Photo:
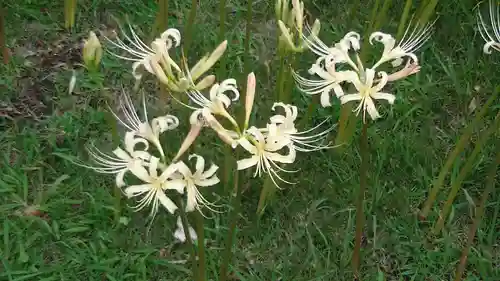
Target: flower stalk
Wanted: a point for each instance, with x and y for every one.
(69, 13)
(490, 186)
(459, 147)
(189, 240)
(233, 220)
(202, 260)
(3, 36)
(189, 26)
(360, 216)
(457, 183)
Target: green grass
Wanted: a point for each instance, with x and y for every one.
(307, 232)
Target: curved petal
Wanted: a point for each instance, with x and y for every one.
(119, 178)
(166, 202)
(176, 184)
(169, 34)
(200, 163)
(120, 153)
(164, 123)
(383, 81)
(276, 157)
(137, 190)
(369, 75)
(191, 202)
(208, 182)
(247, 162)
(153, 166)
(384, 38)
(210, 172)
(247, 145)
(325, 98)
(167, 173)
(350, 97)
(384, 96)
(140, 172)
(371, 109)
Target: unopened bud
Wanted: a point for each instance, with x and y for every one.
(92, 52)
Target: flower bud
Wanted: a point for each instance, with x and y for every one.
(92, 52)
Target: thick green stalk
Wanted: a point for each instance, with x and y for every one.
(161, 22)
(354, 10)
(427, 12)
(233, 219)
(268, 190)
(490, 186)
(69, 13)
(222, 35)
(459, 147)
(202, 260)
(360, 216)
(381, 17)
(189, 241)
(457, 183)
(188, 34)
(404, 19)
(3, 43)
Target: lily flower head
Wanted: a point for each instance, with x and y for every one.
(265, 155)
(282, 130)
(291, 24)
(200, 178)
(490, 33)
(144, 129)
(154, 186)
(407, 46)
(119, 163)
(367, 92)
(156, 60)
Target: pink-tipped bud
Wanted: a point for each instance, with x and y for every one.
(188, 141)
(249, 97)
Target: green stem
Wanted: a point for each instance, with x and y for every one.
(268, 189)
(459, 147)
(200, 232)
(281, 76)
(222, 34)
(457, 183)
(233, 219)
(3, 43)
(404, 19)
(490, 186)
(189, 241)
(360, 216)
(188, 34)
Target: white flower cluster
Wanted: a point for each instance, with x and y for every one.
(156, 60)
(157, 176)
(276, 143)
(336, 68)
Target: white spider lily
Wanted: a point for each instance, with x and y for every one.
(367, 92)
(200, 178)
(179, 232)
(218, 102)
(339, 53)
(149, 131)
(492, 38)
(265, 154)
(291, 25)
(282, 130)
(154, 186)
(156, 60)
(330, 80)
(406, 47)
(119, 163)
